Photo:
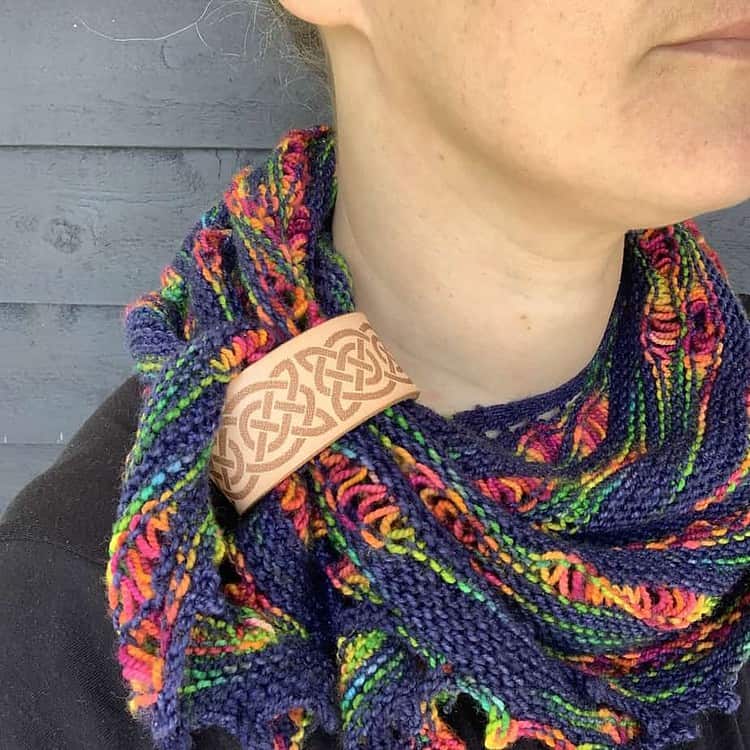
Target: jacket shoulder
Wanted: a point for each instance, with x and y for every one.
(73, 503)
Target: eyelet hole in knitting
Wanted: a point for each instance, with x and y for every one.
(466, 718)
(225, 512)
(227, 572)
(700, 320)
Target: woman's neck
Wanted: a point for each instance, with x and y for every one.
(482, 293)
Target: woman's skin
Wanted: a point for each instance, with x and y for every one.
(491, 156)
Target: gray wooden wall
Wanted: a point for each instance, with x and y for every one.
(109, 151)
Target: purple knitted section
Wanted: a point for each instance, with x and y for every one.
(575, 563)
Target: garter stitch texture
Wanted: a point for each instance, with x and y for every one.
(582, 576)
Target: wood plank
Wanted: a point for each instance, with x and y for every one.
(71, 85)
(61, 362)
(728, 232)
(19, 464)
(110, 219)
(107, 220)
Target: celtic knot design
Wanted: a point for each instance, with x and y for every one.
(277, 417)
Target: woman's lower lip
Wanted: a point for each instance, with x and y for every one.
(734, 48)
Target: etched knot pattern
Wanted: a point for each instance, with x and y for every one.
(309, 398)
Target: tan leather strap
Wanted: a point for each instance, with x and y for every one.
(295, 401)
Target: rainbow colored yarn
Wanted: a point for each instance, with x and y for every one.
(583, 576)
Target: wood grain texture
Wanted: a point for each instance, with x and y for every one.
(64, 83)
(63, 361)
(106, 221)
(728, 232)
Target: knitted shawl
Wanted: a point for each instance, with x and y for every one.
(575, 563)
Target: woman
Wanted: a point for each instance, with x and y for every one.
(545, 548)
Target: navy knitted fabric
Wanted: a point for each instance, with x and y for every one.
(576, 563)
